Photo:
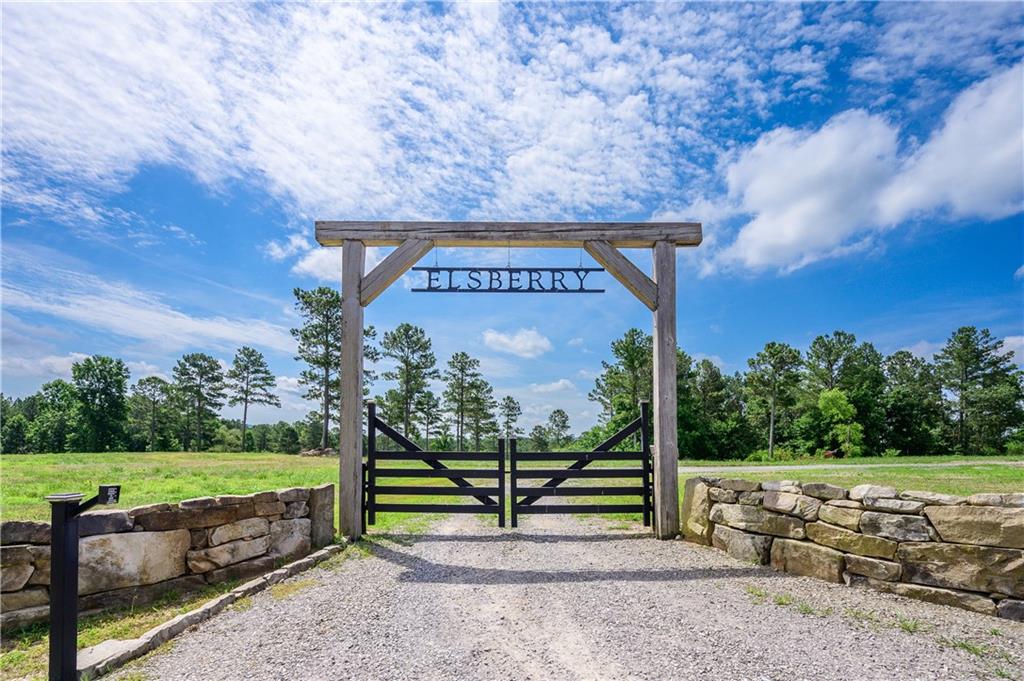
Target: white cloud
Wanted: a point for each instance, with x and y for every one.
(120, 309)
(575, 342)
(526, 343)
(815, 194)
(1015, 344)
(923, 349)
(293, 245)
(809, 192)
(972, 165)
(1019, 274)
(48, 366)
(559, 386)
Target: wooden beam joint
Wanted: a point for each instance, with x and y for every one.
(623, 269)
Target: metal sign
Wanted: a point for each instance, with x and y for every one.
(507, 279)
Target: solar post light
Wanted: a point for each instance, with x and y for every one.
(64, 511)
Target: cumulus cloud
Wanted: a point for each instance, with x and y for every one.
(1015, 344)
(526, 343)
(814, 194)
(559, 386)
(47, 366)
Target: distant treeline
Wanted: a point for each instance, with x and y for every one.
(841, 397)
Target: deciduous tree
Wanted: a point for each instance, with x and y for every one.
(101, 386)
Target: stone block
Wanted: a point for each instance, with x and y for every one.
(295, 509)
(983, 525)
(232, 499)
(321, 515)
(14, 577)
(293, 494)
(800, 505)
(957, 599)
(756, 519)
(16, 619)
(873, 567)
(751, 498)
(823, 490)
(148, 508)
(197, 503)
(725, 496)
(290, 538)
(789, 486)
(933, 498)
(41, 559)
(244, 570)
(220, 556)
(200, 538)
(739, 485)
(877, 491)
(851, 542)
(1012, 500)
(250, 528)
(264, 497)
(1011, 609)
(840, 515)
(176, 519)
(895, 526)
(694, 516)
(750, 548)
(138, 595)
(15, 554)
(25, 598)
(126, 559)
(105, 521)
(265, 508)
(963, 566)
(887, 505)
(24, 532)
(807, 559)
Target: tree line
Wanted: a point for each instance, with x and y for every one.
(839, 398)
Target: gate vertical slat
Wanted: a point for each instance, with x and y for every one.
(501, 482)
(371, 463)
(645, 447)
(512, 480)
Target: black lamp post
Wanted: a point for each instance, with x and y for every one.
(64, 512)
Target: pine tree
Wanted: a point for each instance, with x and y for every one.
(199, 384)
(319, 340)
(480, 405)
(410, 347)
(558, 428)
(428, 414)
(462, 371)
(249, 381)
(148, 409)
(510, 413)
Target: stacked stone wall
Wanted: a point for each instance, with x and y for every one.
(962, 551)
(132, 557)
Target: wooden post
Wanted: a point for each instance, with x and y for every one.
(350, 475)
(666, 446)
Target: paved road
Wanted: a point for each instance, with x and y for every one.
(690, 470)
(563, 598)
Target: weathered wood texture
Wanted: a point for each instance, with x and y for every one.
(350, 516)
(520, 234)
(391, 268)
(666, 447)
(628, 274)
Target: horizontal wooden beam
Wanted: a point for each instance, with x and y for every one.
(518, 234)
(391, 268)
(628, 274)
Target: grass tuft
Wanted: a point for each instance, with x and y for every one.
(287, 589)
(967, 646)
(908, 624)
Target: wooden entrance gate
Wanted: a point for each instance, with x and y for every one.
(639, 473)
(490, 499)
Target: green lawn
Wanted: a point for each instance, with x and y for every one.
(171, 476)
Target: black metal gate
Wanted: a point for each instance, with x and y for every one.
(640, 471)
(490, 499)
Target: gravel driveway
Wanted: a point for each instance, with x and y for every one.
(564, 598)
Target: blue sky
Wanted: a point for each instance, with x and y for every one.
(855, 166)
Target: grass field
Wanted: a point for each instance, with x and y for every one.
(172, 476)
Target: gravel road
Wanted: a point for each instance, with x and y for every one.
(565, 598)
